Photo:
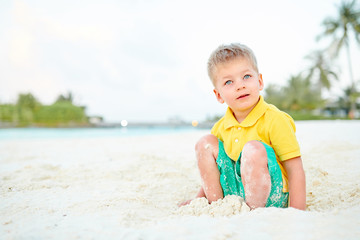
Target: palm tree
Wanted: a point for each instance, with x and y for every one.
(350, 96)
(320, 70)
(63, 98)
(275, 94)
(27, 104)
(27, 101)
(301, 94)
(340, 28)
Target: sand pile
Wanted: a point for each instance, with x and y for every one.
(229, 206)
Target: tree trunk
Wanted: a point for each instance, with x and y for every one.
(352, 89)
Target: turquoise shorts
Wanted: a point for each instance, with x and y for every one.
(230, 177)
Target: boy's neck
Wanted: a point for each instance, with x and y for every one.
(241, 115)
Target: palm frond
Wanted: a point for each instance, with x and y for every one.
(340, 43)
(311, 73)
(331, 26)
(335, 76)
(324, 80)
(356, 28)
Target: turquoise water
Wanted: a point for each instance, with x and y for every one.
(51, 133)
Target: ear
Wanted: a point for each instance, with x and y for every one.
(261, 82)
(218, 96)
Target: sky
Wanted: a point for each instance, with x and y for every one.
(145, 61)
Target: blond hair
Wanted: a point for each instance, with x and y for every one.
(225, 53)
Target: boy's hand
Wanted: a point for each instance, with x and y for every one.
(200, 194)
(184, 203)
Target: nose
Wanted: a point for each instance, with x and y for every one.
(240, 84)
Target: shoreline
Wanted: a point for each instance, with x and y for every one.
(115, 125)
(201, 125)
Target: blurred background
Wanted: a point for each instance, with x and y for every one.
(75, 63)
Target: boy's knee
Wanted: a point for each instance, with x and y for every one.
(254, 151)
(207, 144)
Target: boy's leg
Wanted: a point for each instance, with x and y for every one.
(255, 174)
(207, 150)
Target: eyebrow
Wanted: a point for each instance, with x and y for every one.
(246, 70)
(226, 76)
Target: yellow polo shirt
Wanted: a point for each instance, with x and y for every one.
(265, 123)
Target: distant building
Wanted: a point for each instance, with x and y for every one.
(96, 120)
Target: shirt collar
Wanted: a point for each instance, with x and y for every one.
(250, 120)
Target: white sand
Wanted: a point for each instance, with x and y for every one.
(128, 188)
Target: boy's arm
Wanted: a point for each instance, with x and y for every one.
(296, 178)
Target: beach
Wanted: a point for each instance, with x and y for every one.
(129, 188)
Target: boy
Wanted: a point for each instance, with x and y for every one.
(252, 150)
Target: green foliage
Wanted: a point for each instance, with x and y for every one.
(28, 111)
(275, 95)
(27, 101)
(298, 94)
(320, 71)
(26, 106)
(60, 113)
(64, 98)
(351, 93)
(302, 94)
(306, 115)
(9, 113)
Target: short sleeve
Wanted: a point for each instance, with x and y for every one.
(217, 129)
(283, 138)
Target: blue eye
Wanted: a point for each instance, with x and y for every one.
(247, 76)
(228, 82)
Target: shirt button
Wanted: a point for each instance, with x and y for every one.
(236, 140)
(239, 128)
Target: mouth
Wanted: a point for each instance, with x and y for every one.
(243, 96)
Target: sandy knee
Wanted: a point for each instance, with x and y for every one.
(208, 144)
(254, 152)
(255, 175)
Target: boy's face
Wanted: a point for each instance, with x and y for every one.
(238, 84)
